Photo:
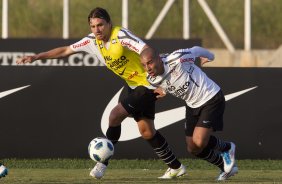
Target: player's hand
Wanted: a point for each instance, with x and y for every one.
(204, 60)
(160, 92)
(25, 59)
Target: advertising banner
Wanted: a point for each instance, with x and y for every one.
(54, 112)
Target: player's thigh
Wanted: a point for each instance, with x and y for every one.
(117, 115)
(140, 103)
(211, 113)
(191, 121)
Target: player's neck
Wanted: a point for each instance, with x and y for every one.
(106, 38)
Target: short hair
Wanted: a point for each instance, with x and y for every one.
(99, 13)
(149, 51)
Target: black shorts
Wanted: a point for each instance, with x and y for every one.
(209, 115)
(140, 102)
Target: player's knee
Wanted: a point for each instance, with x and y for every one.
(199, 143)
(194, 148)
(147, 133)
(146, 128)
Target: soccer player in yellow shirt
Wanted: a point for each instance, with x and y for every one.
(119, 49)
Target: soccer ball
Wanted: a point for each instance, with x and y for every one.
(100, 149)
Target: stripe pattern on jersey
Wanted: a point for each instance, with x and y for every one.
(179, 56)
(91, 37)
(127, 36)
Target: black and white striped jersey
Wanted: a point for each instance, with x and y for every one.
(185, 80)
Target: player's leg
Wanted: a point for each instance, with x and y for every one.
(117, 115)
(203, 149)
(144, 114)
(128, 106)
(199, 145)
(227, 150)
(213, 111)
(203, 121)
(161, 148)
(3, 171)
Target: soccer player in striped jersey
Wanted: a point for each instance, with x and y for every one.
(177, 74)
(120, 51)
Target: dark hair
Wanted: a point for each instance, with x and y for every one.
(149, 51)
(99, 13)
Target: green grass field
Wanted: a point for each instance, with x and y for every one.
(70, 171)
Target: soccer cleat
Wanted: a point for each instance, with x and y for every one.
(229, 158)
(98, 171)
(174, 173)
(3, 171)
(224, 175)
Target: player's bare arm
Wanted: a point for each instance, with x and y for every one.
(54, 53)
(204, 60)
(160, 91)
(203, 54)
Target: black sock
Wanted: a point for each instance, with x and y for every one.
(211, 156)
(113, 133)
(218, 144)
(163, 151)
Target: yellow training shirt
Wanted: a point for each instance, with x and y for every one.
(121, 55)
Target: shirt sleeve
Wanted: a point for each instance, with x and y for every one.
(82, 45)
(88, 45)
(129, 40)
(201, 52)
